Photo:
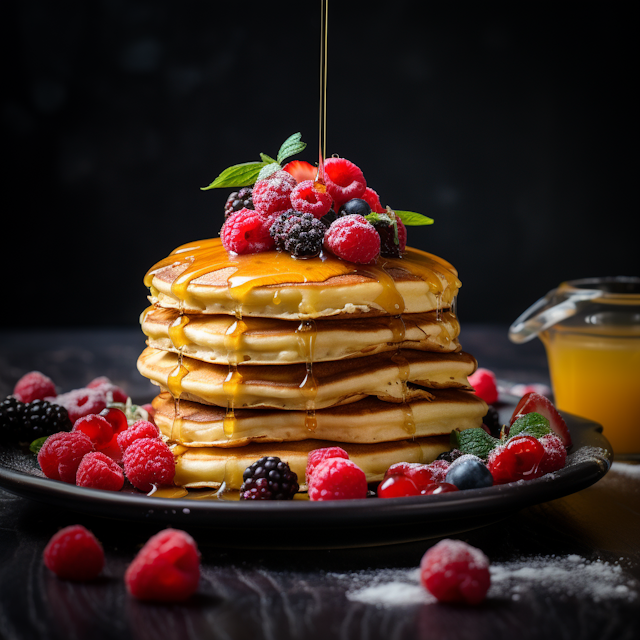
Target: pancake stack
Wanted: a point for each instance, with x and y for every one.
(265, 354)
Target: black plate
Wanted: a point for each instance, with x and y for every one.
(350, 523)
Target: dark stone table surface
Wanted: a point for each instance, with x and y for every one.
(569, 568)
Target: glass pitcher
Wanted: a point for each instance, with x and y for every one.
(591, 331)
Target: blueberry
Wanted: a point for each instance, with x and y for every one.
(470, 473)
(355, 206)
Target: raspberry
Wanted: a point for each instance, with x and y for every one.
(301, 170)
(247, 231)
(34, 386)
(61, 454)
(149, 462)
(317, 456)
(372, 199)
(300, 234)
(148, 407)
(239, 200)
(454, 571)
(484, 384)
(98, 471)
(138, 430)
(307, 199)
(337, 479)
(439, 469)
(166, 569)
(106, 386)
(269, 479)
(274, 194)
(344, 180)
(555, 454)
(82, 402)
(352, 238)
(97, 427)
(397, 486)
(74, 553)
(283, 176)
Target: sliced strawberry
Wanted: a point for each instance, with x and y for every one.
(535, 402)
(301, 170)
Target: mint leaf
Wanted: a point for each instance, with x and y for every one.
(36, 445)
(270, 169)
(265, 158)
(290, 147)
(531, 424)
(374, 217)
(239, 175)
(474, 441)
(413, 219)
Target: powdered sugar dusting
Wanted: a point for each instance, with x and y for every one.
(559, 576)
(626, 469)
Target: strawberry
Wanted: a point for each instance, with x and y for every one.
(301, 170)
(535, 402)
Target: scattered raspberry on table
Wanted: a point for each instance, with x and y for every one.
(74, 553)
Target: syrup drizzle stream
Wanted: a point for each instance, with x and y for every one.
(322, 125)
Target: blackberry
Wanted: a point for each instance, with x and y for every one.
(492, 420)
(388, 232)
(269, 479)
(298, 233)
(242, 199)
(11, 411)
(26, 422)
(450, 456)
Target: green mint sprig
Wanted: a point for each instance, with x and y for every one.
(248, 173)
(531, 424)
(413, 219)
(474, 441)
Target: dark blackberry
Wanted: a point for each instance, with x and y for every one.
(450, 456)
(269, 479)
(242, 199)
(38, 419)
(11, 412)
(388, 232)
(298, 233)
(492, 420)
(355, 206)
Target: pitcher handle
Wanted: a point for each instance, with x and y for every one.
(529, 324)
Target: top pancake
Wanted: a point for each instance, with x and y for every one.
(203, 277)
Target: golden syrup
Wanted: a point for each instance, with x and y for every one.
(322, 124)
(233, 382)
(398, 329)
(231, 482)
(176, 332)
(167, 492)
(306, 333)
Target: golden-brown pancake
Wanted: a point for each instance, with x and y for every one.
(301, 387)
(210, 467)
(274, 341)
(367, 421)
(203, 277)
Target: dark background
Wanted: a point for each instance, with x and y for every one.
(511, 124)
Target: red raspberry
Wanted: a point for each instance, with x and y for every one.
(105, 385)
(98, 471)
(138, 430)
(34, 386)
(74, 553)
(555, 454)
(317, 456)
(247, 231)
(519, 459)
(273, 195)
(397, 486)
(82, 402)
(454, 571)
(484, 384)
(344, 180)
(150, 410)
(354, 239)
(373, 200)
(97, 427)
(301, 170)
(307, 199)
(337, 479)
(402, 235)
(439, 470)
(61, 454)
(166, 569)
(420, 474)
(149, 462)
(439, 487)
(284, 176)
